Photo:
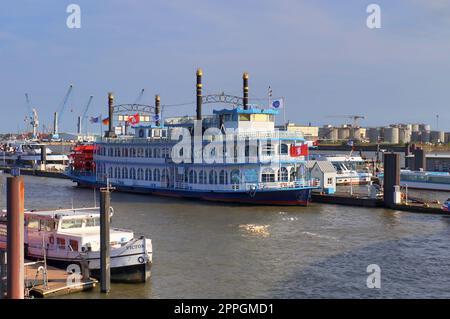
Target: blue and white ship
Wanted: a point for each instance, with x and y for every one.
(235, 155)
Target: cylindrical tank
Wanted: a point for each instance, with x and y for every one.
(333, 135)
(437, 137)
(373, 134)
(343, 133)
(404, 135)
(355, 133)
(414, 127)
(391, 135)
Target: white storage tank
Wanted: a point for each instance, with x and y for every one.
(343, 133)
(414, 127)
(391, 135)
(404, 135)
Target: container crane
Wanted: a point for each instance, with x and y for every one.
(58, 116)
(33, 117)
(84, 116)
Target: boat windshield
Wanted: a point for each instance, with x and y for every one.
(80, 222)
(71, 223)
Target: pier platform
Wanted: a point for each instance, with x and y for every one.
(58, 281)
(36, 172)
(363, 201)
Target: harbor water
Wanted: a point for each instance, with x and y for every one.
(207, 250)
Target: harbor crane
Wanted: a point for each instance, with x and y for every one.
(84, 116)
(355, 118)
(139, 98)
(58, 116)
(33, 117)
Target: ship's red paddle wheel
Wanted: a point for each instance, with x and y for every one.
(82, 158)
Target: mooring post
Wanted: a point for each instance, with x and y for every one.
(15, 234)
(391, 177)
(105, 262)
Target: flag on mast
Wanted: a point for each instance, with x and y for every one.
(277, 104)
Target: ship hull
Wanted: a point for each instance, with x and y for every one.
(281, 197)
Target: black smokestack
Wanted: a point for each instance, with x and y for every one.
(245, 87)
(158, 109)
(110, 132)
(199, 94)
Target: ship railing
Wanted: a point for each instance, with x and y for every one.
(269, 134)
(300, 183)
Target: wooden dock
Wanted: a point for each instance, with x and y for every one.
(55, 282)
(59, 281)
(363, 201)
(36, 172)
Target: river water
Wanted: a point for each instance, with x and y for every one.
(203, 250)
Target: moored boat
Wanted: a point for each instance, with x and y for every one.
(72, 236)
(234, 155)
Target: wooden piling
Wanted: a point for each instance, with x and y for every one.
(15, 237)
(105, 262)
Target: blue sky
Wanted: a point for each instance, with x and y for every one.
(319, 55)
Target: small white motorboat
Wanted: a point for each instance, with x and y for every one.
(72, 236)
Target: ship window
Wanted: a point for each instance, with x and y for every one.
(284, 150)
(213, 177)
(140, 174)
(110, 172)
(267, 149)
(283, 175)
(110, 151)
(244, 117)
(132, 152)
(192, 176)
(223, 177)
(117, 151)
(235, 176)
(125, 152)
(125, 173)
(293, 174)
(92, 222)
(202, 177)
(156, 175)
(132, 173)
(33, 223)
(46, 225)
(150, 152)
(147, 153)
(148, 174)
(140, 152)
(72, 223)
(268, 175)
(73, 244)
(164, 175)
(61, 242)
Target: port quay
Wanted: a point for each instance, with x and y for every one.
(218, 159)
